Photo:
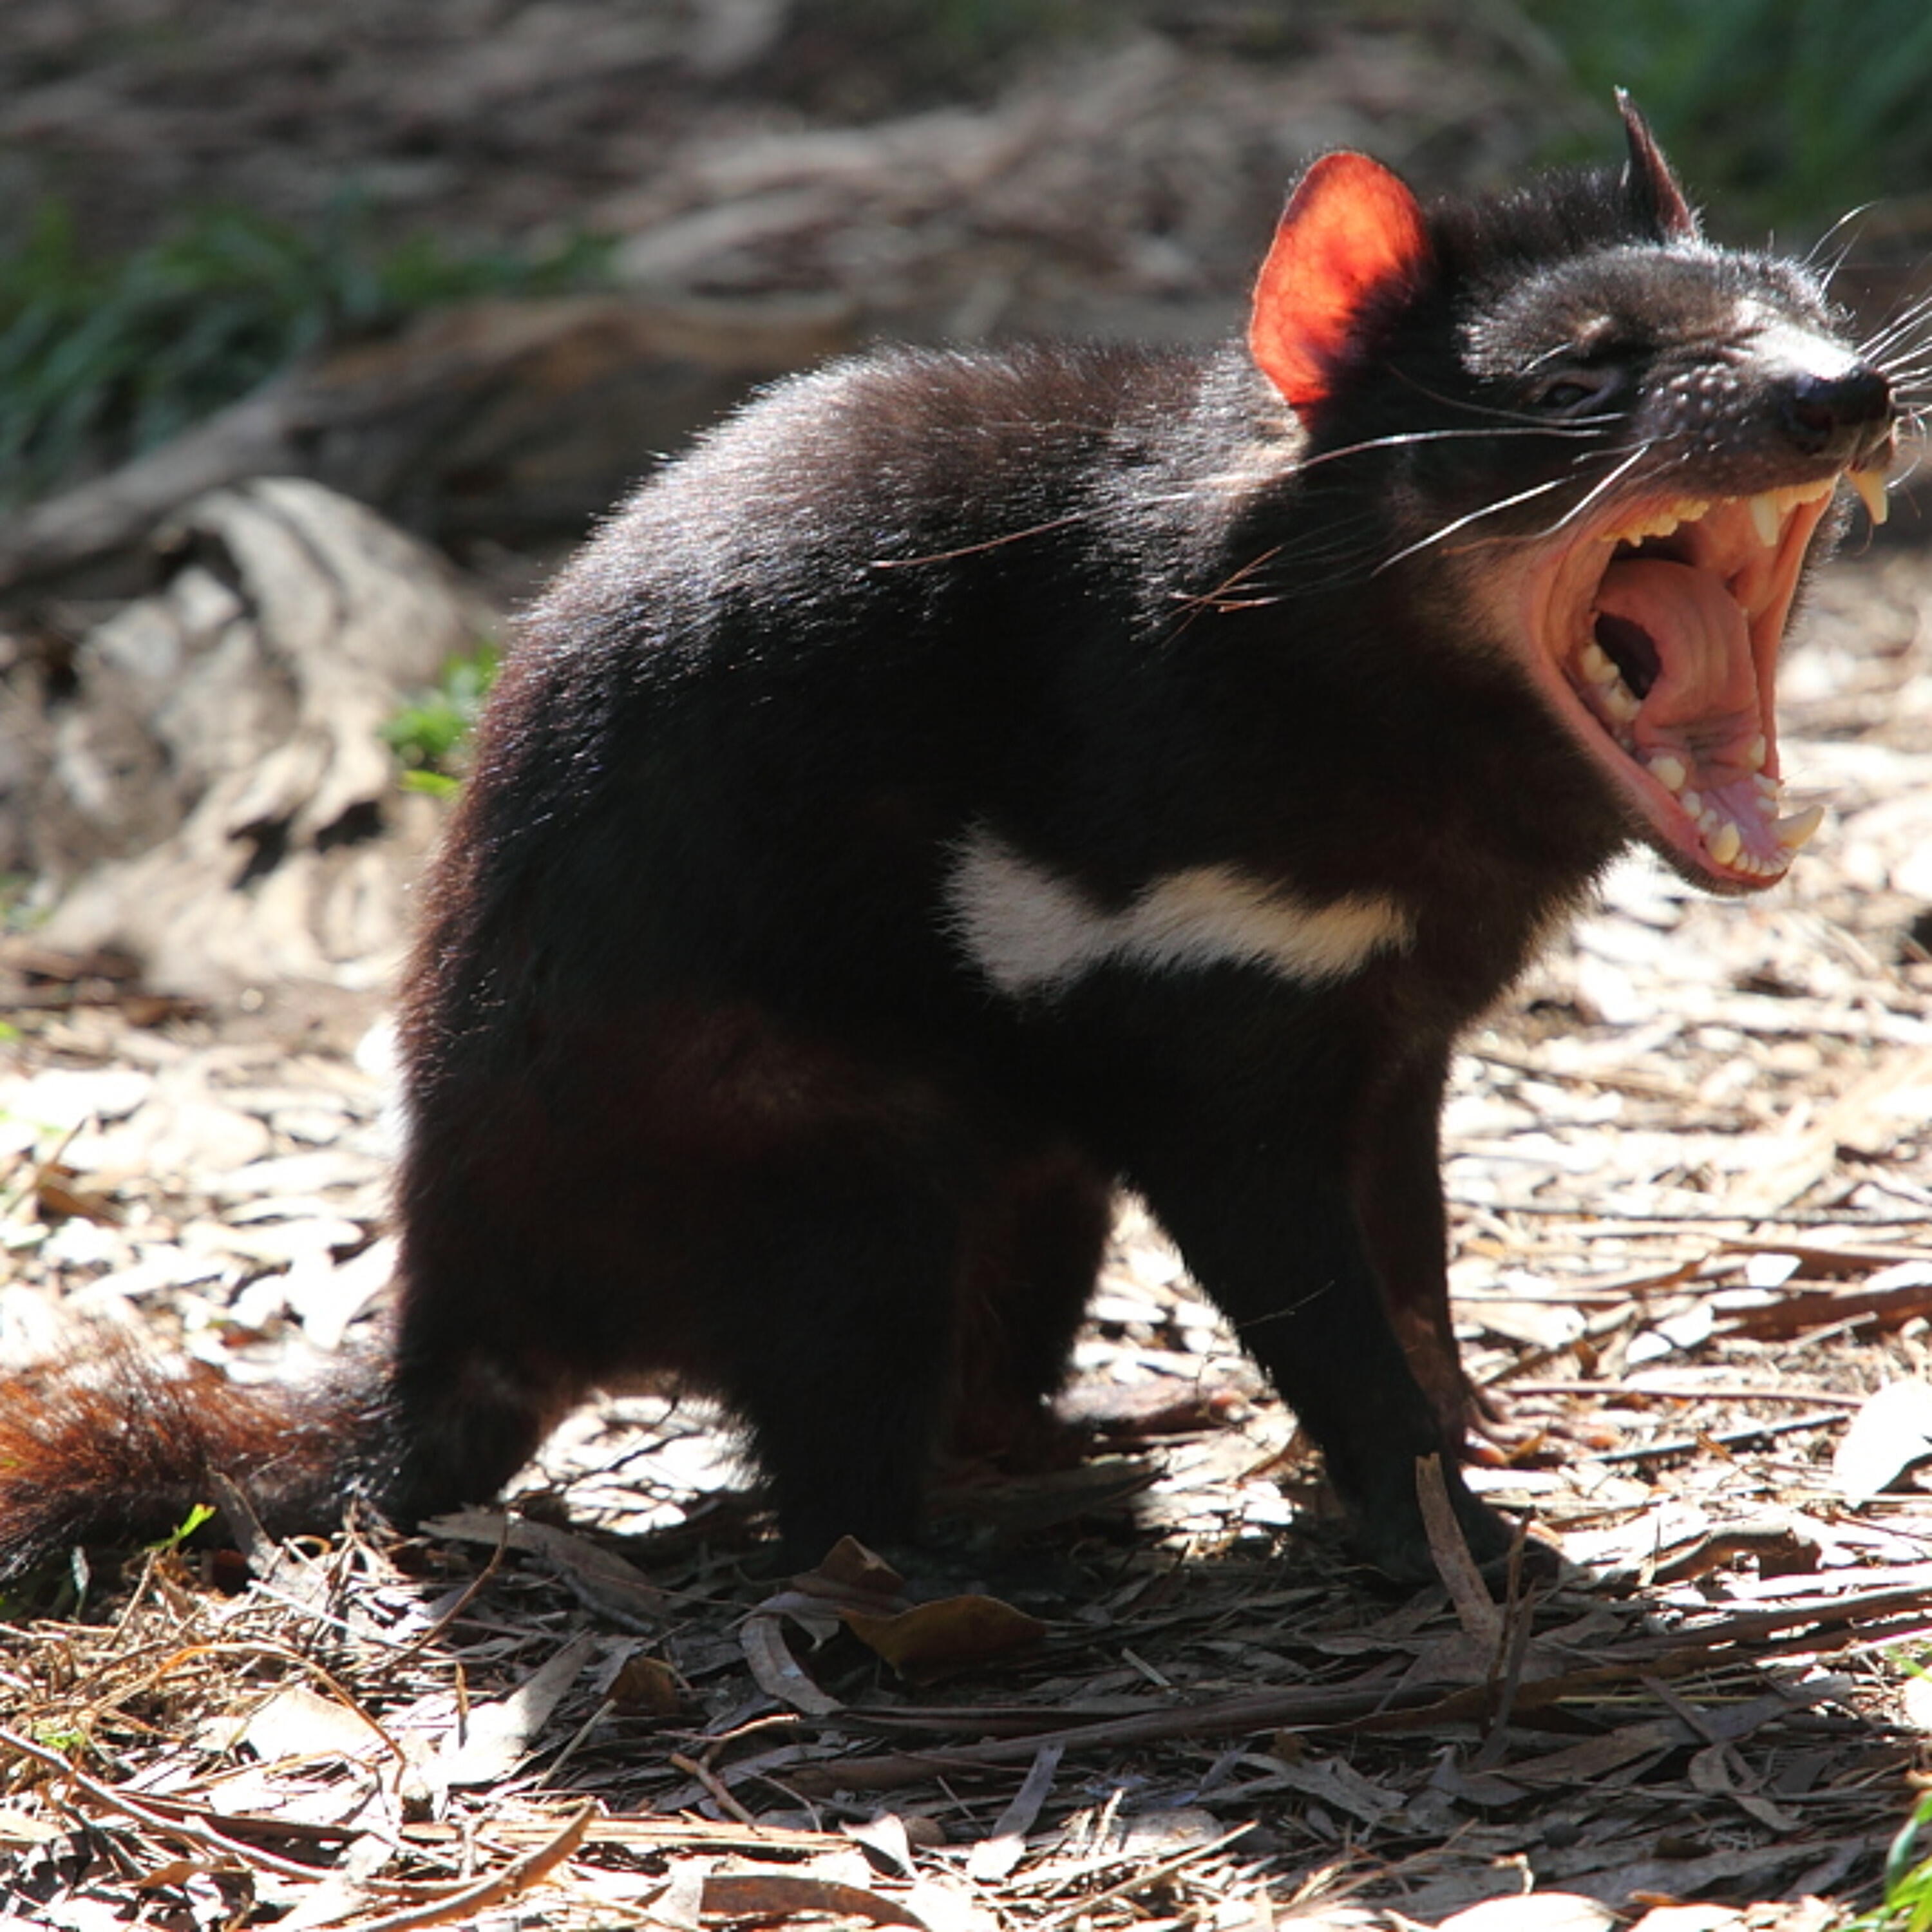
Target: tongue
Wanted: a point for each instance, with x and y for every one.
(1706, 684)
(1703, 705)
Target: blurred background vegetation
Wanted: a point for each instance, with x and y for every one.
(1785, 113)
(117, 354)
(1794, 111)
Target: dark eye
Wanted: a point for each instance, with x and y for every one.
(1577, 392)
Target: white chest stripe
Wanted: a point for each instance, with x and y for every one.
(1031, 932)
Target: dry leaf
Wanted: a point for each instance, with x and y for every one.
(1332, 1782)
(995, 1856)
(945, 1905)
(851, 1569)
(300, 1723)
(782, 1894)
(650, 1685)
(931, 1639)
(1533, 1912)
(601, 1579)
(885, 1842)
(497, 1736)
(1915, 1700)
(1893, 1431)
(1688, 1919)
(778, 1673)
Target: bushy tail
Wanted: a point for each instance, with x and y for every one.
(106, 1445)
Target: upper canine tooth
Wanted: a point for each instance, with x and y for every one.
(1764, 516)
(1757, 752)
(1794, 831)
(1870, 484)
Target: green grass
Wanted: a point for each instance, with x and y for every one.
(199, 1513)
(1908, 1881)
(430, 735)
(100, 359)
(1792, 111)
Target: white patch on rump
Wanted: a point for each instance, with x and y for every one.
(1032, 933)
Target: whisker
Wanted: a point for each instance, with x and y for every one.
(1598, 491)
(1900, 327)
(1436, 537)
(1570, 426)
(1407, 438)
(1813, 254)
(975, 549)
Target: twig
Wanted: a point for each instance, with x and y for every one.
(713, 1784)
(505, 1883)
(1727, 1438)
(1687, 1392)
(1147, 1875)
(469, 1595)
(203, 1837)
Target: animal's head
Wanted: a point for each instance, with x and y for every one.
(1617, 441)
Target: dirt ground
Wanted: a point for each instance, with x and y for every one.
(1690, 1165)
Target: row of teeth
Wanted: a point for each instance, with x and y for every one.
(1619, 702)
(1723, 837)
(1767, 508)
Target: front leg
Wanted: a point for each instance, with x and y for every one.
(1268, 1225)
(1396, 1179)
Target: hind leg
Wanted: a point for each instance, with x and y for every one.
(834, 1340)
(485, 1361)
(543, 1255)
(714, 1191)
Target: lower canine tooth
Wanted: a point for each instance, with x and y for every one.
(1725, 844)
(1797, 829)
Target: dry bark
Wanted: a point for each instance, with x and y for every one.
(213, 796)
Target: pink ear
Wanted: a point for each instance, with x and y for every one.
(1352, 231)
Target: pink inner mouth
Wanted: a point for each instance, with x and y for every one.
(1656, 636)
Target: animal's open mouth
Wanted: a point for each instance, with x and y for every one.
(1660, 628)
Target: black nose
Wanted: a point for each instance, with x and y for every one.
(1841, 417)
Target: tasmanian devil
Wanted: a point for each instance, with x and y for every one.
(965, 783)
